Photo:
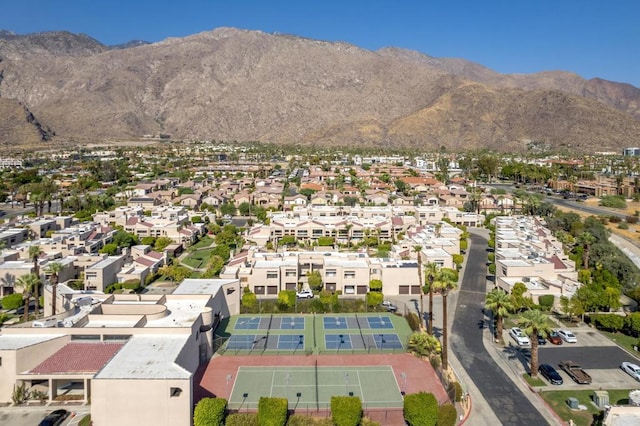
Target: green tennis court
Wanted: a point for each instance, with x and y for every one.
(312, 387)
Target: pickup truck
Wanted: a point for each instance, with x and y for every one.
(576, 372)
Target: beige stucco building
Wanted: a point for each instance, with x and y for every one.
(133, 356)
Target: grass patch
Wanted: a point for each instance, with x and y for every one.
(537, 382)
(205, 241)
(198, 259)
(623, 340)
(557, 400)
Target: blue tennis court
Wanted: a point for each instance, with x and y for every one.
(335, 323)
(387, 341)
(290, 341)
(247, 323)
(291, 323)
(379, 322)
(242, 341)
(337, 341)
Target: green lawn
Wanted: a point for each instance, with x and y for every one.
(537, 382)
(198, 259)
(205, 241)
(557, 400)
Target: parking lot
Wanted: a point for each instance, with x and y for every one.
(30, 416)
(599, 356)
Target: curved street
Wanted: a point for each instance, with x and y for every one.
(506, 400)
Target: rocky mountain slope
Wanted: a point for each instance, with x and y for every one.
(231, 84)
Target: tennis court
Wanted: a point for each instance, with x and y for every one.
(312, 387)
(251, 342)
(307, 334)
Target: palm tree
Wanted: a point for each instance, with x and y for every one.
(586, 239)
(533, 323)
(54, 269)
(418, 250)
(28, 283)
(431, 274)
(34, 253)
(499, 302)
(447, 281)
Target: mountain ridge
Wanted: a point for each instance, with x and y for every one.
(230, 84)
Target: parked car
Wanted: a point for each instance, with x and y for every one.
(54, 418)
(631, 369)
(576, 372)
(520, 338)
(551, 374)
(304, 294)
(567, 336)
(390, 307)
(541, 340)
(554, 338)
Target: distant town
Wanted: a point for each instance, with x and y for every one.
(129, 276)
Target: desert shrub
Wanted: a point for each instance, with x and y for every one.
(12, 301)
(458, 390)
(632, 219)
(272, 411)
(346, 410)
(420, 409)
(447, 415)
(623, 225)
(413, 320)
(209, 412)
(374, 298)
(613, 201)
(242, 419)
(546, 302)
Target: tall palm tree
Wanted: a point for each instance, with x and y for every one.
(586, 239)
(418, 250)
(431, 274)
(533, 323)
(447, 281)
(28, 283)
(499, 302)
(54, 269)
(34, 253)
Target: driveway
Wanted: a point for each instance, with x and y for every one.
(506, 400)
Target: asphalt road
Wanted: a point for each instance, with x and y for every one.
(505, 399)
(600, 357)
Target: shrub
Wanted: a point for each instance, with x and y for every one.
(421, 409)
(447, 415)
(546, 302)
(632, 323)
(272, 411)
(374, 298)
(615, 219)
(209, 412)
(242, 419)
(613, 201)
(346, 410)
(632, 219)
(492, 269)
(491, 257)
(623, 225)
(131, 284)
(458, 390)
(610, 322)
(375, 285)
(85, 421)
(413, 320)
(12, 301)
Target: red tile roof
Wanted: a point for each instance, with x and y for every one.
(78, 358)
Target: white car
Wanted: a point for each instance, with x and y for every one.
(631, 369)
(520, 338)
(305, 294)
(567, 336)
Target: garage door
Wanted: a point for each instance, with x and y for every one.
(403, 289)
(362, 289)
(415, 289)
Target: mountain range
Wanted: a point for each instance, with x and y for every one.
(238, 85)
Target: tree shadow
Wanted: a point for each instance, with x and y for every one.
(523, 355)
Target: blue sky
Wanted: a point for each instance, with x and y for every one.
(592, 38)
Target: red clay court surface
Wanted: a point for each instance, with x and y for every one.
(420, 376)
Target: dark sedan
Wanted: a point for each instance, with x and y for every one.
(550, 373)
(54, 418)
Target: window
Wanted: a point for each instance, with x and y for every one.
(349, 274)
(272, 275)
(291, 273)
(175, 392)
(330, 273)
(259, 289)
(231, 290)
